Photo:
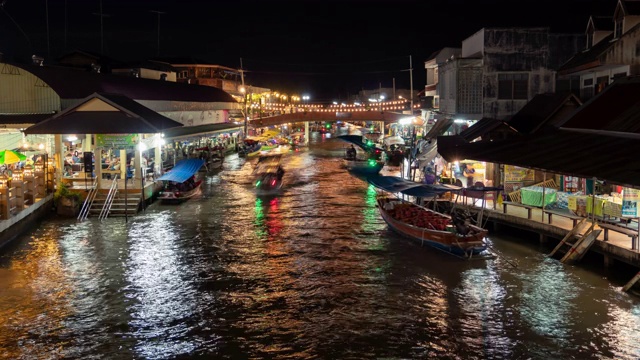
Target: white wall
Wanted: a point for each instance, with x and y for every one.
(473, 44)
(23, 93)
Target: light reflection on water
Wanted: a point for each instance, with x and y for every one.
(312, 272)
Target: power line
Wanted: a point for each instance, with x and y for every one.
(324, 73)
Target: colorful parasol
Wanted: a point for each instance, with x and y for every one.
(11, 157)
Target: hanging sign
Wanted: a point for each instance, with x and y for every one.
(117, 141)
(630, 200)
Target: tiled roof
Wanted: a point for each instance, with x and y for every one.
(131, 118)
(10, 119)
(481, 128)
(71, 83)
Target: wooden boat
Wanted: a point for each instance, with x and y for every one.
(363, 166)
(179, 184)
(269, 175)
(432, 228)
(171, 195)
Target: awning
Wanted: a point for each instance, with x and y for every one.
(182, 171)
(102, 113)
(199, 130)
(394, 184)
(393, 140)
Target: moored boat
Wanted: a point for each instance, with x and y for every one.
(180, 184)
(432, 228)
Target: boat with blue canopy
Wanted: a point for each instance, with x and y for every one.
(453, 233)
(179, 183)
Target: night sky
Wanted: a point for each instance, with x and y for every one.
(327, 49)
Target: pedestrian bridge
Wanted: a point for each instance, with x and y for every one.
(371, 115)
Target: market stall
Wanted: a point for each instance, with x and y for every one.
(533, 196)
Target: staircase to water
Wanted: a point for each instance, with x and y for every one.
(120, 206)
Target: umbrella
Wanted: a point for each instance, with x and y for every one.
(11, 157)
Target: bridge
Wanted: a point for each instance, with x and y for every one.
(313, 116)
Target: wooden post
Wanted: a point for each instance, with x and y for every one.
(544, 178)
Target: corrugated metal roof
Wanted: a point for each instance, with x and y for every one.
(181, 132)
(603, 147)
(540, 111)
(589, 56)
(482, 127)
(10, 119)
(559, 151)
(131, 118)
(71, 83)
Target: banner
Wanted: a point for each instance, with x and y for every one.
(117, 141)
(515, 173)
(630, 198)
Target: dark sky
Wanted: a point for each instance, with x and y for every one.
(327, 49)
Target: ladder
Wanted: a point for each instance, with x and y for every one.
(84, 212)
(580, 247)
(109, 200)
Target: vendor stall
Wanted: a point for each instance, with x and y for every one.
(532, 195)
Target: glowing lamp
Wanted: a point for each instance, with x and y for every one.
(372, 162)
(27, 171)
(258, 183)
(4, 181)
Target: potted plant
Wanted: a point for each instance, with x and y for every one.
(67, 202)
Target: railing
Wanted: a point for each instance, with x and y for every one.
(91, 196)
(109, 200)
(516, 196)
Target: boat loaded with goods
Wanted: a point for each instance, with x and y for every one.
(455, 233)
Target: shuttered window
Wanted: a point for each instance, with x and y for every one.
(513, 86)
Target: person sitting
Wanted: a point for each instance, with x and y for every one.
(280, 173)
(351, 153)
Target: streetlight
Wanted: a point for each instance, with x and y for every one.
(306, 99)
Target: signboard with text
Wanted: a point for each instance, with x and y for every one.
(516, 173)
(117, 141)
(630, 198)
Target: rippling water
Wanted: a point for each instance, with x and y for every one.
(310, 273)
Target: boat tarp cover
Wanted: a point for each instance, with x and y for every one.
(356, 140)
(396, 184)
(182, 171)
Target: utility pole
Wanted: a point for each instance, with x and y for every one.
(65, 25)
(46, 6)
(102, 16)
(244, 94)
(411, 81)
(159, 13)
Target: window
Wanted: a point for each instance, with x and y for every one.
(513, 86)
(618, 28)
(587, 82)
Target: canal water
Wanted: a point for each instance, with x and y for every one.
(312, 272)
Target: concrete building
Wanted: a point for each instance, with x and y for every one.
(612, 51)
(500, 69)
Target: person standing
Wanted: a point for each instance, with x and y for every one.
(468, 172)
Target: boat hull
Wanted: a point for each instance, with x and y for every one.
(178, 197)
(460, 245)
(363, 166)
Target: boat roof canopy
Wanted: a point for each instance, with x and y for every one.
(394, 184)
(182, 171)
